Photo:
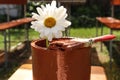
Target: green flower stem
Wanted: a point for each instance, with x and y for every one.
(47, 43)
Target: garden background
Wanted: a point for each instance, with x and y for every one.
(83, 17)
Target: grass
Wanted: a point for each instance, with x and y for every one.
(91, 32)
(19, 35)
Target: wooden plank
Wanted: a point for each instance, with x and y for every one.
(25, 73)
(98, 73)
(13, 1)
(2, 59)
(110, 22)
(14, 23)
(115, 2)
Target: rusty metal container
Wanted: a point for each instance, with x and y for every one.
(65, 59)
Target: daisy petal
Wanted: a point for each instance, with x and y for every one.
(53, 5)
(40, 11)
(50, 37)
(63, 14)
(58, 34)
(35, 16)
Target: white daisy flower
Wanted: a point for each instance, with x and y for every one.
(50, 21)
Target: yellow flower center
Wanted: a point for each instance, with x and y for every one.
(50, 22)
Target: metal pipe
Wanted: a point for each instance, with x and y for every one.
(8, 19)
(5, 48)
(110, 44)
(112, 11)
(101, 46)
(9, 40)
(110, 49)
(26, 31)
(96, 28)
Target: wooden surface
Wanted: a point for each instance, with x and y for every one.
(14, 23)
(13, 1)
(25, 73)
(110, 22)
(98, 73)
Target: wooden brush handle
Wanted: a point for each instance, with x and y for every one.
(104, 38)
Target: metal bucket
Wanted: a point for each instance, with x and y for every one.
(65, 59)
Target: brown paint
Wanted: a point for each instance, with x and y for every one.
(63, 60)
